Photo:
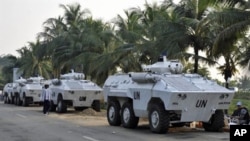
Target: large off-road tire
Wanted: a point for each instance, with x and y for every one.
(61, 105)
(12, 101)
(15, 100)
(19, 102)
(24, 101)
(216, 122)
(158, 119)
(8, 100)
(96, 105)
(5, 98)
(113, 113)
(52, 107)
(128, 118)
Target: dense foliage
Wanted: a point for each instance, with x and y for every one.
(76, 41)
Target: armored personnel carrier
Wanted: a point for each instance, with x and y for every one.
(73, 90)
(30, 91)
(166, 97)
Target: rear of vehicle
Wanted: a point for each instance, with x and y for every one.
(80, 94)
(31, 93)
(7, 90)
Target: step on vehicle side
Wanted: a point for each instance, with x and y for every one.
(73, 90)
(30, 91)
(166, 97)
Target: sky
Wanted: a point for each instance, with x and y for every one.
(22, 20)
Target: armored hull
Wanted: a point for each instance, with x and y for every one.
(191, 95)
(8, 93)
(30, 91)
(72, 90)
(167, 97)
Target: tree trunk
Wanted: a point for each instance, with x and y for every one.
(196, 60)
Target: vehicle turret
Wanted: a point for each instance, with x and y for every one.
(164, 66)
(73, 75)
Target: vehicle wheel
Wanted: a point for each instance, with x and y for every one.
(19, 102)
(216, 122)
(113, 113)
(96, 105)
(5, 100)
(24, 102)
(61, 106)
(12, 101)
(15, 100)
(40, 103)
(8, 100)
(52, 106)
(128, 118)
(158, 119)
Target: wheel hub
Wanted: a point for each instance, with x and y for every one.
(126, 115)
(111, 113)
(155, 119)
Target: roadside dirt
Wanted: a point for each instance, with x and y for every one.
(90, 117)
(85, 117)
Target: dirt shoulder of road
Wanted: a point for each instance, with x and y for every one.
(90, 117)
(85, 117)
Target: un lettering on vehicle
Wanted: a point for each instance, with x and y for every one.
(201, 103)
(137, 95)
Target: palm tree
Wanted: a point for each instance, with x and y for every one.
(79, 42)
(70, 46)
(246, 53)
(60, 35)
(130, 34)
(138, 35)
(232, 26)
(54, 36)
(90, 44)
(194, 12)
(7, 64)
(167, 30)
(34, 61)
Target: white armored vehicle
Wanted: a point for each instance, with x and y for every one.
(30, 91)
(8, 93)
(72, 90)
(166, 97)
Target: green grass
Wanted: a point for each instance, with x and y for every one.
(244, 97)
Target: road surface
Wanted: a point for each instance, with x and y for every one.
(29, 124)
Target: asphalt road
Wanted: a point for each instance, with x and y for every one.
(29, 124)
